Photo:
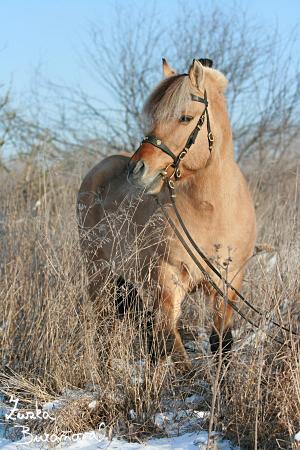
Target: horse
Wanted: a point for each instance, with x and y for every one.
(189, 146)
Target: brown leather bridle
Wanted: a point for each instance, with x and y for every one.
(156, 142)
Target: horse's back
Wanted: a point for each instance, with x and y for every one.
(103, 172)
(111, 212)
(108, 174)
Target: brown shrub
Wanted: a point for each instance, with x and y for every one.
(53, 341)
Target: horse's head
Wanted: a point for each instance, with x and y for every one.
(181, 122)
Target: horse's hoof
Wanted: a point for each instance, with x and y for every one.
(227, 341)
(182, 363)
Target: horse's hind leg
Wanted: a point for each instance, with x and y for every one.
(127, 298)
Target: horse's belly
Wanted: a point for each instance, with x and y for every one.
(129, 236)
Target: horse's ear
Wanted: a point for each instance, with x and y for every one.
(196, 74)
(167, 71)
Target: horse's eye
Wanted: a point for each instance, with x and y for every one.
(185, 119)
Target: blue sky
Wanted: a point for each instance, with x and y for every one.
(50, 33)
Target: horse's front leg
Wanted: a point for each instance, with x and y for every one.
(171, 291)
(221, 331)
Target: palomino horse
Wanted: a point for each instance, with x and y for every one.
(190, 144)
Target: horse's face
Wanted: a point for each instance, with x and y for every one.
(174, 116)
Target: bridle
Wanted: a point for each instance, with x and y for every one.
(156, 142)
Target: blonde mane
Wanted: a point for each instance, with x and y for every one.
(169, 99)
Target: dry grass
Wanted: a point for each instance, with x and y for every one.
(56, 345)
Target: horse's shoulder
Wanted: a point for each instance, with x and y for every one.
(106, 170)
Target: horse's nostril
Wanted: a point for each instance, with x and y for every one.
(139, 168)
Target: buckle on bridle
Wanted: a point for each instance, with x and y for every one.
(177, 173)
(164, 172)
(171, 184)
(182, 154)
(210, 137)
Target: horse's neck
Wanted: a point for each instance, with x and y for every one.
(221, 129)
(211, 182)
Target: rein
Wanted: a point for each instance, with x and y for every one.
(207, 275)
(170, 180)
(216, 271)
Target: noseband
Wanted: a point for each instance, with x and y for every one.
(190, 141)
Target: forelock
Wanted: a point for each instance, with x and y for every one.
(169, 99)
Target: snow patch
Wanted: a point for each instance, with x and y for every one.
(188, 441)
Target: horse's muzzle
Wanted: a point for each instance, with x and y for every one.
(138, 175)
(136, 170)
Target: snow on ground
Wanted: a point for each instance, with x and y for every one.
(93, 441)
(177, 421)
(169, 422)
